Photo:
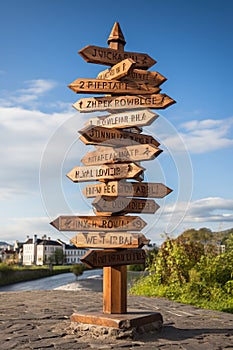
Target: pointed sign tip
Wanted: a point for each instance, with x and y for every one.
(116, 34)
(55, 223)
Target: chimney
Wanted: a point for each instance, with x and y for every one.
(34, 239)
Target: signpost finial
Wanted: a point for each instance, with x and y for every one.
(116, 38)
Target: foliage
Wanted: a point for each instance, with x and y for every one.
(77, 269)
(136, 267)
(182, 271)
(206, 235)
(174, 260)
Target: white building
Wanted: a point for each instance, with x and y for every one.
(45, 251)
(72, 254)
(48, 252)
(30, 251)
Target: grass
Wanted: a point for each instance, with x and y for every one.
(211, 297)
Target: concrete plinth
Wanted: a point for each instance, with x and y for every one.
(129, 325)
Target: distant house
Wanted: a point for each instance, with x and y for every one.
(46, 251)
(18, 248)
(30, 251)
(49, 252)
(72, 254)
(8, 255)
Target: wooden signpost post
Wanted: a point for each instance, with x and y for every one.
(131, 91)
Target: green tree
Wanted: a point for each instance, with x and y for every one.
(174, 260)
(59, 256)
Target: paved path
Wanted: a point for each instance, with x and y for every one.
(40, 320)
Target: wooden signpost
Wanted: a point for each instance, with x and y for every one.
(102, 258)
(124, 205)
(125, 189)
(105, 172)
(116, 87)
(109, 240)
(116, 103)
(94, 135)
(136, 75)
(130, 91)
(109, 57)
(104, 155)
(117, 71)
(99, 223)
(127, 119)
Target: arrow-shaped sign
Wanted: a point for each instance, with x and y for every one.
(105, 172)
(109, 240)
(108, 103)
(125, 189)
(101, 258)
(109, 57)
(137, 75)
(99, 223)
(124, 205)
(126, 119)
(145, 77)
(105, 155)
(110, 136)
(116, 87)
(117, 71)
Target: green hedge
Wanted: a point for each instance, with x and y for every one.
(12, 274)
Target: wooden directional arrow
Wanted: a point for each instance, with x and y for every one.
(116, 87)
(144, 77)
(117, 71)
(108, 103)
(105, 155)
(105, 172)
(109, 240)
(99, 223)
(109, 57)
(125, 189)
(137, 75)
(110, 136)
(126, 119)
(124, 205)
(101, 258)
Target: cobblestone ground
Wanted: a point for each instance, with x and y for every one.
(41, 320)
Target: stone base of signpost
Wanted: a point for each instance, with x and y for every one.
(119, 326)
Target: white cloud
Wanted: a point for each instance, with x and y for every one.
(24, 136)
(174, 218)
(29, 95)
(210, 209)
(203, 136)
(19, 228)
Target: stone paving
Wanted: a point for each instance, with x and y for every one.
(41, 320)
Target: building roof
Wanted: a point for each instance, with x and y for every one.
(49, 242)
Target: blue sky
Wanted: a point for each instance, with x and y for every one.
(191, 42)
